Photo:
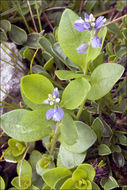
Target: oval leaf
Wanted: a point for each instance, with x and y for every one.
(17, 35)
(67, 75)
(103, 150)
(36, 87)
(75, 93)
(68, 134)
(103, 79)
(87, 137)
(69, 159)
(26, 125)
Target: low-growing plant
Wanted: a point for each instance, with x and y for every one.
(59, 113)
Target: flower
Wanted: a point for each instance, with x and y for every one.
(82, 49)
(89, 23)
(57, 114)
(53, 98)
(96, 42)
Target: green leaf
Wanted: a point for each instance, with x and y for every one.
(53, 175)
(17, 35)
(49, 64)
(114, 28)
(75, 93)
(26, 125)
(68, 134)
(60, 182)
(95, 186)
(32, 40)
(5, 25)
(98, 128)
(68, 184)
(17, 147)
(86, 139)
(35, 156)
(123, 140)
(24, 180)
(26, 169)
(69, 159)
(103, 150)
(32, 105)
(3, 36)
(109, 183)
(70, 39)
(88, 169)
(118, 158)
(2, 183)
(98, 61)
(36, 87)
(9, 157)
(67, 75)
(103, 79)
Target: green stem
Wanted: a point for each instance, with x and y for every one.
(80, 109)
(55, 137)
(18, 8)
(38, 15)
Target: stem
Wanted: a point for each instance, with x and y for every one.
(32, 60)
(20, 169)
(32, 17)
(115, 20)
(18, 7)
(38, 15)
(55, 137)
(80, 109)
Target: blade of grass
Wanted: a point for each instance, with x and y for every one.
(13, 59)
(38, 15)
(12, 65)
(19, 9)
(32, 17)
(10, 50)
(9, 96)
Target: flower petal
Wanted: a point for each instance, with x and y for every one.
(87, 26)
(99, 22)
(86, 16)
(82, 49)
(58, 114)
(46, 101)
(50, 113)
(55, 92)
(79, 24)
(96, 42)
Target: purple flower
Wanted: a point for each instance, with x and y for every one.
(82, 49)
(96, 42)
(99, 22)
(56, 114)
(79, 24)
(53, 98)
(89, 23)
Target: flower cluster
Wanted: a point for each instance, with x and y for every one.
(55, 113)
(93, 25)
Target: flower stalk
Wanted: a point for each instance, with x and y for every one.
(55, 137)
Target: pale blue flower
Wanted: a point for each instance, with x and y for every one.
(89, 23)
(53, 98)
(56, 114)
(96, 42)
